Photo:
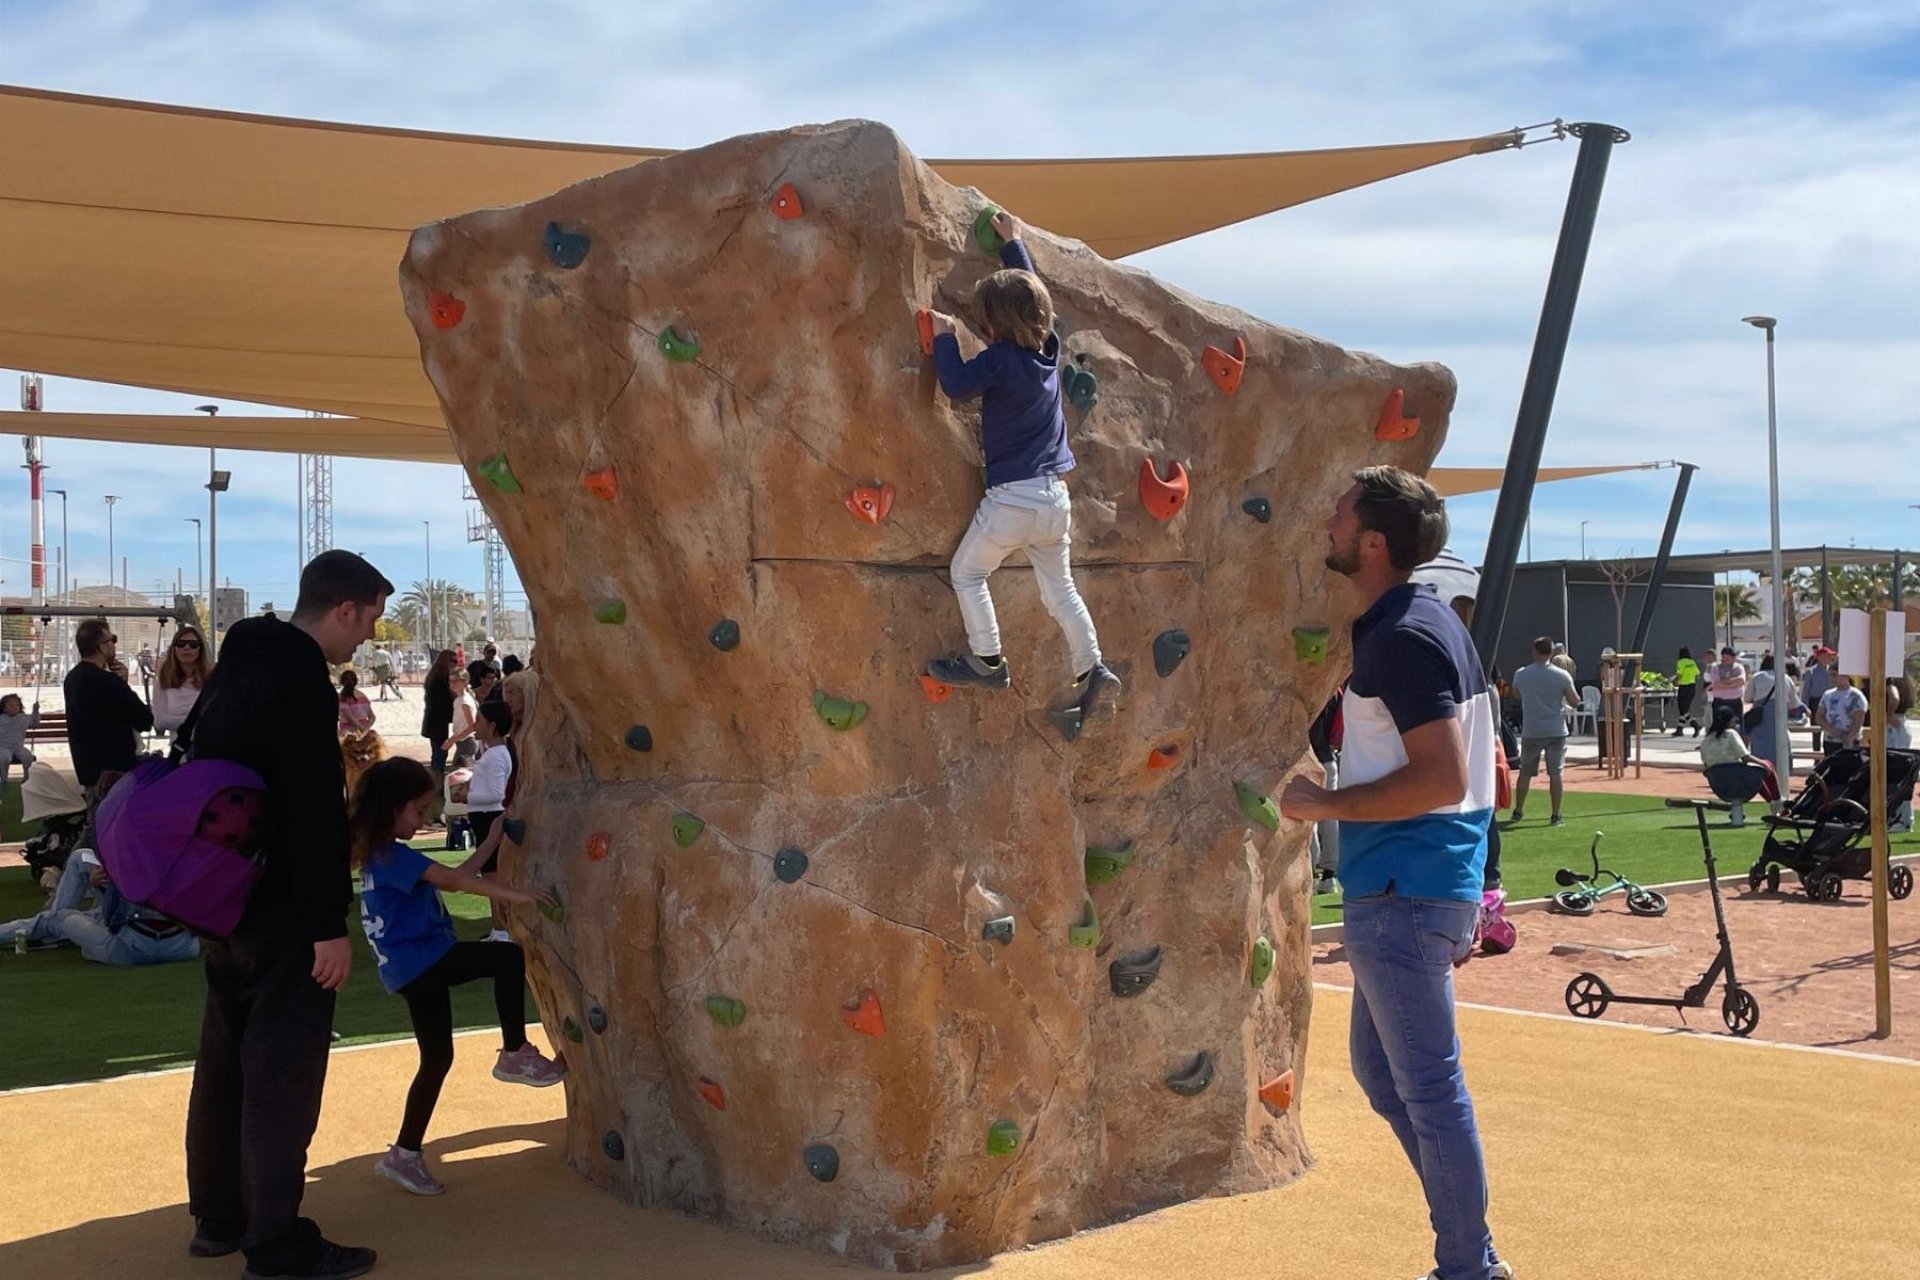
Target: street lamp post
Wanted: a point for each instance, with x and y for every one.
(199, 579)
(66, 624)
(110, 500)
(1781, 645)
(217, 482)
(431, 645)
(1583, 538)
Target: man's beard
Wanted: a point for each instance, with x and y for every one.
(1344, 560)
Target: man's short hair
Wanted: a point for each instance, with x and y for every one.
(1544, 645)
(1405, 510)
(91, 636)
(334, 578)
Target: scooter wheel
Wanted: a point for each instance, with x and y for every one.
(1588, 996)
(1573, 902)
(1829, 887)
(1647, 902)
(1899, 881)
(1740, 1011)
(1773, 879)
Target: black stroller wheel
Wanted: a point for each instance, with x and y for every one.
(1773, 879)
(1740, 1011)
(1754, 875)
(1830, 886)
(1647, 902)
(1587, 996)
(1899, 881)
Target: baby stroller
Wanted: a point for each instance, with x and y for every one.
(1822, 835)
(55, 801)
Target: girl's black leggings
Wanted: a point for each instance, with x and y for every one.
(429, 1000)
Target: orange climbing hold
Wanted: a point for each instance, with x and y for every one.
(865, 1017)
(1164, 757)
(710, 1090)
(1278, 1092)
(602, 483)
(1163, 499)
(786, 203)
(935, 690)
(447, 309)
(871, 503)
(599, 845)
(1392, 425)
(1224, 369)
(923, 321)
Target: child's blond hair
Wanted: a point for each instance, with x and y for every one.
(1015, 307)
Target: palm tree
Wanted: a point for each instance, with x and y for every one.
(1741, 601)
(435, 609)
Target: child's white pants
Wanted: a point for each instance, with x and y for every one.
(1035, 516)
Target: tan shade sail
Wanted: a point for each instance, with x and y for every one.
(255, 258)
(1454, 482)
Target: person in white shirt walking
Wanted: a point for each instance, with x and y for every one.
(383, 669)
(487, 791)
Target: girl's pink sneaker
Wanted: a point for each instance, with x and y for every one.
(527, 1065)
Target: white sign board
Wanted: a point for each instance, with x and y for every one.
(1856, 626)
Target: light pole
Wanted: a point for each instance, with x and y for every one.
(199, 581)
(1781, 648)
(217, 482)
(1583, 538)
(66, 624)
(428, 524)
(110, 500)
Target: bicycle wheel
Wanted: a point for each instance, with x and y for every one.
(1573, 902)
(1647, 902)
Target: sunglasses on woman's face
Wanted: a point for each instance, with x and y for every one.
(186, 644)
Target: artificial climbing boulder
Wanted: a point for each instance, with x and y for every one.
(932, 826)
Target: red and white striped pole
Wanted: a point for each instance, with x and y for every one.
(32, 393)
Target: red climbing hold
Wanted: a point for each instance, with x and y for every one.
(865, 1017)
(786, 203)
(1224, 369)
(1392, 425)
(599, 845)
(1164, 757)
(871, 503)
(602, 483)
(447, 309)
(1278, 1092)
(935, 691)
(923, 321)
(710, 1090)
(1163, 499)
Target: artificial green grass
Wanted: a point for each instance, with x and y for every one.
(69, 1020)
(11, 828)
(1645, 841)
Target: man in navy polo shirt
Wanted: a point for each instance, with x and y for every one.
(1414, 803)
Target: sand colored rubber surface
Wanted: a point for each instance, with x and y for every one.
(1615, 1152)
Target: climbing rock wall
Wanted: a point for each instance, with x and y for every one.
(844, 957)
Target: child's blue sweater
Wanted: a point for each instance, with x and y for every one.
(1022, 428)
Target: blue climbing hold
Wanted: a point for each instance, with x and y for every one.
(999, 929)
(789, 865)
(565, 248)
(516, 829)
(822, 1161)
(725, 635)
(597, 1019)
(1079, 384)
(639, 738)
(613, 1145)
(1170, 649)
(1259, 508)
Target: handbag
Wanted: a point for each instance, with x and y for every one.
(1751, 717)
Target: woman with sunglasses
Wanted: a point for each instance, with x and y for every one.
(184, 672)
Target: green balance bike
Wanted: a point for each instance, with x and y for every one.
(1581, 891)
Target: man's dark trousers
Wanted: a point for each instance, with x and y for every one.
(256, 1088)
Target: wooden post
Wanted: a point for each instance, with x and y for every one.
(1877, 702)
(1639, 727)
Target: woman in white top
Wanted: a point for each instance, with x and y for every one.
(487, 793)
(184, 672)
(461, 745)
(1724, 745)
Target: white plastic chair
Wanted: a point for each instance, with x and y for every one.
(1588, 710)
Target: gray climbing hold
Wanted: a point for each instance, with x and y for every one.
(823, 1162)
(1134, 972)
(789, 865)
(1068, 721)
(566, 249)
(1259, 508)
(999, 929)
(725, 635)
(1170, 650)
(613, 1145)
(1195, 1079)
(597, 1019)
(639, 738)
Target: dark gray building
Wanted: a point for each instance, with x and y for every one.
(1573, 602)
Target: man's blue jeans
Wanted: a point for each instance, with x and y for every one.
(1406, 1057)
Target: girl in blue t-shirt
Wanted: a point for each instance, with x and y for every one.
(412, 940)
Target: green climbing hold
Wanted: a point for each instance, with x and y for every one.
(725, 635)
(1003, 1138)
(726, 1011)
(1068, 720)
(1170, 649)
(638, 738)
(789, 865)
(1104, 864)
(499, 473)
(1080, 385)
(983, 233)
(676, 348)
(1310, 644)
(571, 1030)
(555, 912)
(1087, 932)
(610, 611)
(839, 713)
(1260, 968)
(999, 929)
(1195, 1078)
(686, 829)
(1256, 805)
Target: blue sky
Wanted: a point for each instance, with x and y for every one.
(1775, 168)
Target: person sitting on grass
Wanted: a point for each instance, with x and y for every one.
(419, 958)
(1723, 745)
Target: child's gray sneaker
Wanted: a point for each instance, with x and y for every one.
(1096, 689)
(967, 669)
(409, 1169)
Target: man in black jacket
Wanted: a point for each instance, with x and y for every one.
(104, 714)
(264, 1038)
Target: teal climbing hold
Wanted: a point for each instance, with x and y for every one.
(1134, 972)
(1310, 644)
(567, 249)
(725, 635)
(679, 349)
(822, 1161)
(1079, 384)
(597, 1019)
(789, 865)
(839, 713)
(498, 472)
(556, 912)
(726, 1011)
(999, 929)
(1068, 720)
(1003, 1138)
(1087, 932)
(638, 738)
(1195, 1079)
(1104, 863)
(1170, 649)
(610, 611)
(686, 829)
(571, 1030)
(983, 233)
(516, 829)
(1256, 805)
(1260, 967)
(1259, 508)
(613, 1146)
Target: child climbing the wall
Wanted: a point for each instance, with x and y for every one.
(1026, 508)
(412, 940)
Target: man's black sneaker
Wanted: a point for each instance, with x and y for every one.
(966, 669)
(212, 1241)
(332, 1262)
(1096, 689)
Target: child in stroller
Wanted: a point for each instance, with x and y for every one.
(1822, 835)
